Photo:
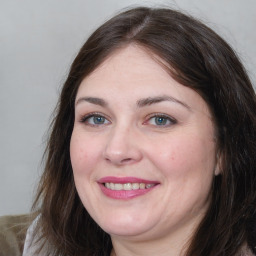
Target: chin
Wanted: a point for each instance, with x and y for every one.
(124, 231)
(125, 226)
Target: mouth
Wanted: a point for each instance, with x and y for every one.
(128, 186)
(125, 187)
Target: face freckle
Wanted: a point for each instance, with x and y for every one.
(178, 158)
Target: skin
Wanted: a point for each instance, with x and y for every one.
(129, 141)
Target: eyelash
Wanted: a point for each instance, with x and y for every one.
(165, 118)
(85, 118)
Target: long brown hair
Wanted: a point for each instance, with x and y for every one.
(199, 59)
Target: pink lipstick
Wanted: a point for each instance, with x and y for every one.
(125, 187)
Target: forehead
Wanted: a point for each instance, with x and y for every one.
(131, 60)
(133, 73)
(133, 65)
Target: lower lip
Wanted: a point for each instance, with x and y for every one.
(124, 194)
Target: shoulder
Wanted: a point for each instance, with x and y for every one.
(30, 245)
(246, 251)
(33, 245)
(13, 230)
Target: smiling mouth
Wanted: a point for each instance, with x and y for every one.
(128, 186)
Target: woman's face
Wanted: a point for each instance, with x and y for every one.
(142, 148)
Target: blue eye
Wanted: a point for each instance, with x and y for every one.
(160, 120)
(94, 119)
(98, 119)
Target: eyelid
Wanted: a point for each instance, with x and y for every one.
(83, 118)
(170, 118)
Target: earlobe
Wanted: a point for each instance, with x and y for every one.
(217, 170)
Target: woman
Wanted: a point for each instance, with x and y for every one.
(152, 150)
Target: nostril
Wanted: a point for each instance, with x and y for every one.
(126, 160)
(119, 161)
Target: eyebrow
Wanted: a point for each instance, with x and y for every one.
(153, 100)
(93, 100)
(140, 103)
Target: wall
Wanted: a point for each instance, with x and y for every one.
(38, 41)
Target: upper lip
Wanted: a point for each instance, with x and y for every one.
(123, 180)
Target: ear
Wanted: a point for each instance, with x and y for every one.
(217, 170)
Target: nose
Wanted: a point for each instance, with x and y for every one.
(122, 147)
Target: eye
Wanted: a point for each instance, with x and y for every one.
(161, 120)
(94, 120)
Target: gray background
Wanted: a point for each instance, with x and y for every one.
(39, 39)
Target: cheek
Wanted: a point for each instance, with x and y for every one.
(83, 154)
(187, 164)
(184, 156)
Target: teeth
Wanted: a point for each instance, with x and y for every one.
(142, 186)
(118, 187)
(128, 186)
(135, 186)
(112, 186)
